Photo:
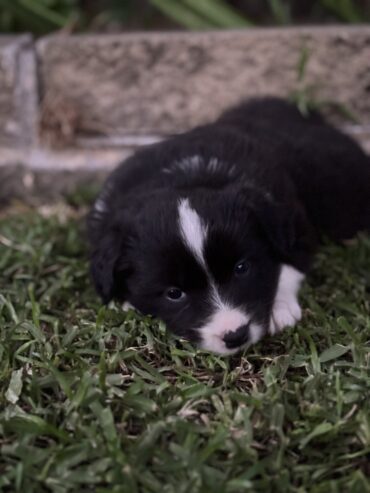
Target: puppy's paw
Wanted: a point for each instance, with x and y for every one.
(284, 314)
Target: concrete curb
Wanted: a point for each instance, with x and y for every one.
(72, 107)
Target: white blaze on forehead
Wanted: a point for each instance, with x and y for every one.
(193, 230)
(225, 318)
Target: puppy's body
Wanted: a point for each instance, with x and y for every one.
(213, 230)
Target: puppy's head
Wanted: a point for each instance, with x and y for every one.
(206, 263)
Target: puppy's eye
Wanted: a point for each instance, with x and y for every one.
(175, 294)
(241, 268)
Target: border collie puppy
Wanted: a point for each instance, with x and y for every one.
(213, 230)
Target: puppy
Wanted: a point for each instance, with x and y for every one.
(214, 230)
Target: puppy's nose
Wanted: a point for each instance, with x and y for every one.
(237, 338)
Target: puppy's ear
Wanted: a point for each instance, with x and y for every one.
(280, 223)
(110, 267)
(277, 220)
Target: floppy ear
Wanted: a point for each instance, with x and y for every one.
(109, 264)
(280, 223)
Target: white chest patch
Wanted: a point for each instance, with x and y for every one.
(192, 229)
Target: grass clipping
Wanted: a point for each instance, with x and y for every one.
(94, 399)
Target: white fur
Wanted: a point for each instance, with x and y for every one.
(224, 320)
(213, 164)
(193, 164)
(100, 205)
(286, 311)
(215, 295)
(192, 229)
(188, 164)
(255, 333)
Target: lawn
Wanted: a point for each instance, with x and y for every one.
(94, 399)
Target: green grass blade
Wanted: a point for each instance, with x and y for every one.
(15, 386)
(49, 15)
(219, 13)
(345, 10)
(182, 14)
(281, 11)
(333, 352)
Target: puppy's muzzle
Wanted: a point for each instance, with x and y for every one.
(237, 338)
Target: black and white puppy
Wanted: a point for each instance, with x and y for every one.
(213, 230)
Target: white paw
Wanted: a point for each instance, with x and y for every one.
(284, 314)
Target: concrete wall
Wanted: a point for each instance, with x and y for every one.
(73, 107)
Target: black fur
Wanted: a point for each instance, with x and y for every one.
(280, 182)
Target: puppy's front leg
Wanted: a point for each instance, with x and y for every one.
(286, 311)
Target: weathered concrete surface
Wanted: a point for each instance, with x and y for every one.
(71, 108)
(160, 83)
(18, 92)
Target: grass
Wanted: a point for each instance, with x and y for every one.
(93, 399)
(44, 16)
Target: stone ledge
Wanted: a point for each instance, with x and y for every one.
(71, 108)
(18, 91)
(160, 83)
